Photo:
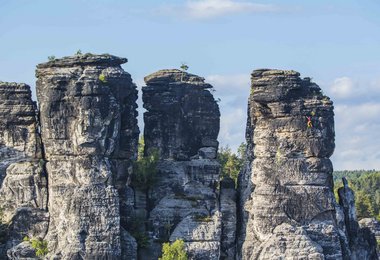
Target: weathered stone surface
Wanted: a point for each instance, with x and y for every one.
(362, 241)
(89, 131)
(182, 115)
(184, 204)
(182, 122)
(228, 209)
(23, 191)
(23, 251)
(287, 203)
(22, 180)
(372, 224)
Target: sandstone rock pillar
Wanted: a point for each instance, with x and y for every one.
(89, 132)
(182, 122)
(287, 206)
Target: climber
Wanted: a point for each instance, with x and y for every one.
(309, 124)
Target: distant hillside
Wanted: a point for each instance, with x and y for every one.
(366, 185)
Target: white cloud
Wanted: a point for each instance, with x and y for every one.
(213, 8)
(348, 89)
(233, 90)
(232, 127)
(235, 83)
(207, 9)
(342, 87)
(357, 136)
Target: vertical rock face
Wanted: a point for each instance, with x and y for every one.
(182, 121)
(23, 193)
(20, 172)
(181, 116)
(289, 204)
(362, 240)
(287, 207)
(89, 132)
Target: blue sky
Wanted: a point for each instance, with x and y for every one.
(337, 43)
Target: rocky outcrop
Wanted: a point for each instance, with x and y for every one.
(23, 192)
(89, 132)
(182, 115)
(287, 207)
(182, 122)
(361, 240)
(66, 170)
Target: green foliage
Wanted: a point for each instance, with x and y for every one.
(140, 149)
(51, 58)
(26, 239)
(145, 168)
(174, 251)
(40, 246)
(184, 66)
(142, 239)
(230, 162)
(366, 185)
(202, 218)
(102, 78)
(136, 228)
(78, 53)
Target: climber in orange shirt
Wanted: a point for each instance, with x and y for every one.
(309, 124)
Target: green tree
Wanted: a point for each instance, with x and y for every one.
(174, 251)
(40, 246)
(145, 168)
(231, 163)
(184, 68)
(363, 205)
(365, 185)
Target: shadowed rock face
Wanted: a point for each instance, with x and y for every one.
(89, 132)
(286, 191)
(182, 115)
(361, 238)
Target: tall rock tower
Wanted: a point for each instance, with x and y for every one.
(89, 132)
(182, 123)
(287, 205)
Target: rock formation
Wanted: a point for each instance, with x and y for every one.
(362, 241)
(182, 122)
(66, 170)
(23, 193)
(89, 132)
(287, 207)
(181, 116)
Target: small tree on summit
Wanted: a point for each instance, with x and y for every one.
(184, 68)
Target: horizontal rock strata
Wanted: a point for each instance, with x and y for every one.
(89, 131)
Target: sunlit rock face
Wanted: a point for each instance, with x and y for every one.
(182, 115)
(287, 204)
(23, 192)
(182, 124)
(89, 132)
